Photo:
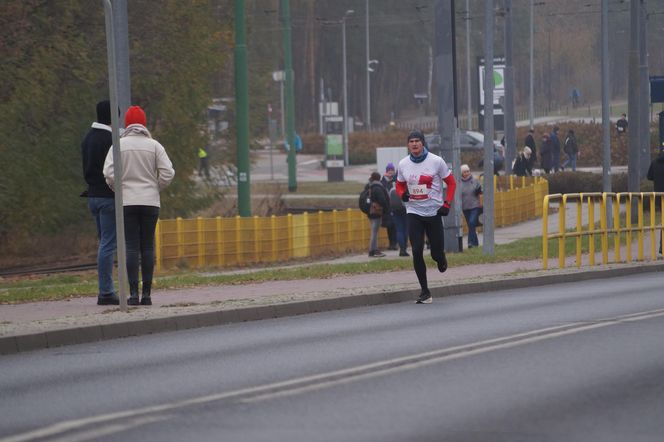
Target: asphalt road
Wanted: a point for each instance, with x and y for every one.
(567, 362)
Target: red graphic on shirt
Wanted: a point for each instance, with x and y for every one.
(426, 180)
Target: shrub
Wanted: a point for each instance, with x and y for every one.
(577, 182)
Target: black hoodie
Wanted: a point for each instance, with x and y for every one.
(94, 148)
(656, 172)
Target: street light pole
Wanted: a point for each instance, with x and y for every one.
(531, 105)
(345, 85)
(368, 116)
(469, 104)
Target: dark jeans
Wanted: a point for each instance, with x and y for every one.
(103, 209)
(418, 226)
(401, 226)
(472, 219)
(140, 223)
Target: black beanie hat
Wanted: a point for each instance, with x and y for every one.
(104, 112)
(416, 134)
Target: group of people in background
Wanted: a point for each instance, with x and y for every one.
(550, 153)
(146, 170)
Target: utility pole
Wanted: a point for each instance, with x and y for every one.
(510, 120)
(117, 155)
(633, 104)
(469, 96)
(368, 116)
(289, 98)
(644, 96)
(242, 113)
(447, 113)
(121, 27)
(606, 123)
(531, 94)
(488, 239)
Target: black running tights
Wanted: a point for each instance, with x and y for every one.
(418, 226)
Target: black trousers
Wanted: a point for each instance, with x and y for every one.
(432, 227)
(139, 226)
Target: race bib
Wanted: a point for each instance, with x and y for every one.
(418, 190)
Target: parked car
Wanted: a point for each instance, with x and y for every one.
(468, 141)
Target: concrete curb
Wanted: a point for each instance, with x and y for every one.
(81, 335)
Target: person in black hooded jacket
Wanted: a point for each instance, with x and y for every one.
(656, 175)
(101, 199)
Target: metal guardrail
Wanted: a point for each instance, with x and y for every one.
(611, 225)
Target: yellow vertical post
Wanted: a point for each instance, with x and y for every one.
(562, 229)
(545, 232)
(157, 247)
(275, 238)
(290, 236)
(653, 253)
(257, 239)
(238, 240)
(591, 227)
(220, 248)
(579, 229)
(335, 229)
(180, 236)
(628, 226)
(200, 242)
(605, 234)
(640, 225)
(616, 226)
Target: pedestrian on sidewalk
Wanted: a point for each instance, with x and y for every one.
(546, 154)
(379, 207)
(521, 166)
(203, 162)
(471, 203)
(656, 175)
(555, 149)
(146, 170)
(571, 150)
(387, 180)
(621, 125)
(419, 184)
(400, 221)
(530, 143)
(101, 199)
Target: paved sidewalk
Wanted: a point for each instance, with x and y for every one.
(37, 325)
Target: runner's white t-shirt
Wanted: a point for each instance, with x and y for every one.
(425, 183)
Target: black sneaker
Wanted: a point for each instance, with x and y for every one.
(425, 298)
(442, 264)
(376, 254)
(109, 299)
(146, 300)
(403, 253)
(133, 300)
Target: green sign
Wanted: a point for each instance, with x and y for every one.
(334, 144)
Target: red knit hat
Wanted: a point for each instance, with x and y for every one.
(135, 115)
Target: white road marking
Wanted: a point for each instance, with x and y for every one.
(343, 376)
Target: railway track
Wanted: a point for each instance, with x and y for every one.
(45, 269)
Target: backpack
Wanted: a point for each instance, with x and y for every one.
(365, 200)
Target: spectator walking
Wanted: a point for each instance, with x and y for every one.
(146, 170)
(522, 163)
(546, 156)
(621, 125)
(101, 199)
(420, 186)
(398, 211)
(571, 150)
(471, 203)
(656, 175)
(203, 162)
(379, 206)
(530, 143)
(555, 149)
(387, 180)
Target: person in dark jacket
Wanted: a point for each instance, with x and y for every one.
(398, 211)
(571, 150)
(101, 199)
(656, 175)
(530, 143)
(555, 149)
(380, 198)
(546, 158)
(521, 165)
(387, 180)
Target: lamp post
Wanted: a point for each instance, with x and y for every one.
(345, 85)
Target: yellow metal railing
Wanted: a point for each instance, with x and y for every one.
(237, 242)
(610, 207)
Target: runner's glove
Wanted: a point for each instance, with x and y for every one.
(445, 210)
